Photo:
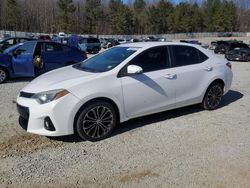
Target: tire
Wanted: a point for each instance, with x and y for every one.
(96, 121)
(248, 58)
(216, 50)
(95, 50)
(3, 75)
(213, 96)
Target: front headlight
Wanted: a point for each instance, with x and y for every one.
(48, 96)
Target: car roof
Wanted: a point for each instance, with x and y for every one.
(154, 44)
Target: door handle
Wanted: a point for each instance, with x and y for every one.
(208, 69)
(170, 76)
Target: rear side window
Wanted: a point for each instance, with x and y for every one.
(93, 40)
(187, 55)
(152, 59)
(53, 47)
(66, 48)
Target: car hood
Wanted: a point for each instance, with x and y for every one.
(63, 78)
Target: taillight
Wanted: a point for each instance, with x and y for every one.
(229, 65)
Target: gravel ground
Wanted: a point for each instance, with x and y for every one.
(187, 147)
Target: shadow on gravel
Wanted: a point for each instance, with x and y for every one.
(16, 80)
(68, 138)
(229, 98)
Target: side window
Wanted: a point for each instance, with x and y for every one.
(93, 40)
(202, 56)
(66, 48)
(10, 42)
(50, 47)
(89, 40)
(26, 49)
(152, 59)
(186, 55)
(22, 40)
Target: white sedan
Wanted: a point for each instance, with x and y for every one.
(124, 82)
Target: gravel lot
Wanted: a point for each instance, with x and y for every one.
(187, 147)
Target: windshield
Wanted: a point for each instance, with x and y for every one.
(10, 49)
(107, 60)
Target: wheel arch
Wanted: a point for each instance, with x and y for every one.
(7, 71)
(102, 99)
(216, 80)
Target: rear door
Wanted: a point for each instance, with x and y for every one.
(53, 56)
(22, 63)
(192, 70)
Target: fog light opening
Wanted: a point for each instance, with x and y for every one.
(48, 125)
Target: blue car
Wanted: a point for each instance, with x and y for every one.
(33, 58)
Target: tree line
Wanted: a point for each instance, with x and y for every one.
(117, 17)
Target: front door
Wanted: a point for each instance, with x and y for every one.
(154, 89)
(22, 61)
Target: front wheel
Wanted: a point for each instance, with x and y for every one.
(96, 121)
(213, 97)
(3, 75)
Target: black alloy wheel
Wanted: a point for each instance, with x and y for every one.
(3, 75)
(96, 121)
(213, 97)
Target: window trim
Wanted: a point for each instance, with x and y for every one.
(173, 59)
(168, 62)
(53, 44)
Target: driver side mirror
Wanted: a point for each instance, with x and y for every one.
(134, 69)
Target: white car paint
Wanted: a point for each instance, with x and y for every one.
(135, 96)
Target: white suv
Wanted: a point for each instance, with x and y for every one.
(124, 82)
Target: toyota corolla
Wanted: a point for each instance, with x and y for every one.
(124, 82)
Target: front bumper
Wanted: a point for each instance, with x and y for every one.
(61, 112)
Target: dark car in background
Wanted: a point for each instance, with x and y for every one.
(110, 42)
(44, 37)
(240, 53)
(225, 34)
(223, 47)
(191, 41)
(10, 41)
(33, 58)
(93, 45)
(90, 44)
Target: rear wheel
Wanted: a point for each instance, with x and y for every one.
(213, 96)
(3, 75)
(95, 50)
(96, 121)
(248, 59)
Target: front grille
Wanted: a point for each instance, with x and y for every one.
(26, 95)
